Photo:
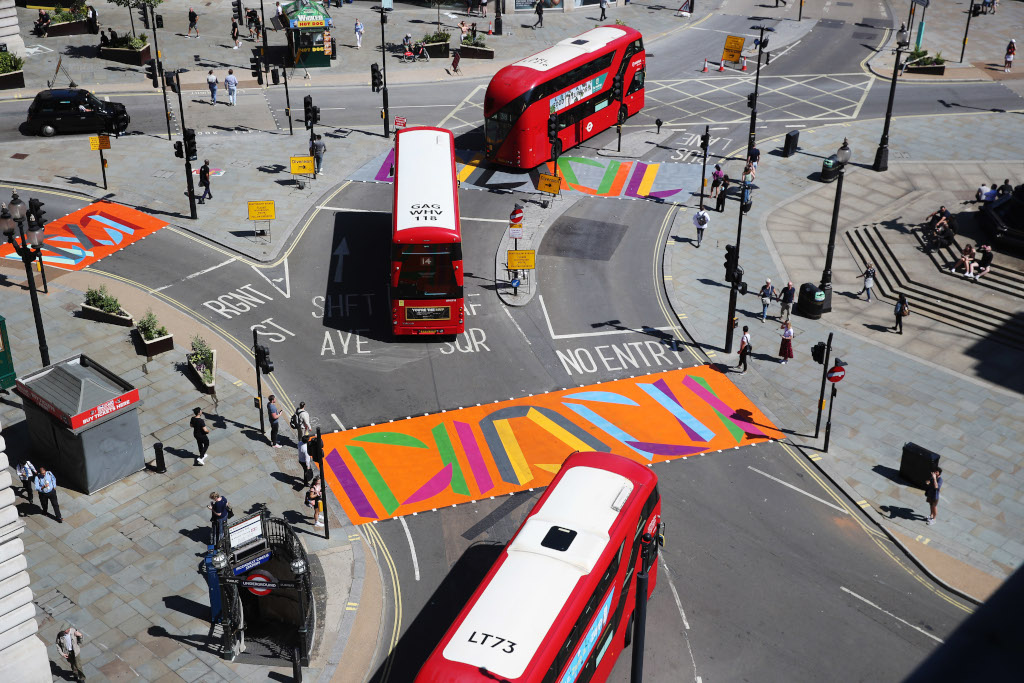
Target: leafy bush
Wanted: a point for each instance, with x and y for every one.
(437, 37)
(74, 13)
(102, 299)
(202, 357)
(150, 328)
(130, 43)
(474, 42)
(10, 62)
(919, 57)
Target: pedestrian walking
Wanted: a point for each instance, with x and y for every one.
(931, 493)
(204, 181)
(251, 15)
(219, 513)
(211, 83)
(318, 153)
(754, 157)
(307, 471)
(314, 500)
(767, 293)
(483, 7)
(46, 484)
(26, 472)
(784, 3)
(786, 297)
(1011, 52)
(540, 14)
(722, 191)
(786, 347)
(901, 311)
(193, 23)
(279, 13)
(748, 178)
(234, 33)
(274, 415)
(869, 280)
(745, 349)
(604, 9)
(701, 220)
(359, 34)
(716, 180)
(69, 643)
(300, 422)
(231, 81)
(201, 433)
(92, 19)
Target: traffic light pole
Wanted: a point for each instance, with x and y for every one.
(734, 290)
(704, 166)
(188, 163)
(323, 482)
(103, 168)
(384, 63)
(828, 425)
(287, 99)
(159, 74)
(821, 398)
(259, 385)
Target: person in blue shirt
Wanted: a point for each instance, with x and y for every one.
(46, 484)
(274, 414)
(218, 515)
(27, 473)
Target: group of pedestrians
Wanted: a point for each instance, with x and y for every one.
(230, 82)
(301, 423)
(42, 481)
(785, 298)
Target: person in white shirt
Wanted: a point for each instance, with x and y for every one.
(26, 472)
(211, 81)
(701, 220)
(231, 81)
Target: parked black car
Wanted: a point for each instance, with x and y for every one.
(74, 111)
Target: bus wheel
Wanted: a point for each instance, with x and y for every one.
(628, 638)
(623, 114)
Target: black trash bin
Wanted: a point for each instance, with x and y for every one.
(810, 301)
(917, 464)
(830, 169)
(792, 141)
(976, 10)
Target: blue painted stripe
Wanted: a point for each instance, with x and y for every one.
(606, 426)
(603, 397)
(677, 410)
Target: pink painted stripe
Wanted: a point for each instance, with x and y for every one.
(721, 406)
(475, 458)
(434, 486)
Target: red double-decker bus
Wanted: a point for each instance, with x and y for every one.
(572, 91)
(558, 605)
(426, 236)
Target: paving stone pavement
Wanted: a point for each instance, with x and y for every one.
(123, 565)
(928, 386)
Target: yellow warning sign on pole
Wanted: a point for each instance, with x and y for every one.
(262, 210)
(302, 165)
(99, 142)
(522, 259)
(733, 49)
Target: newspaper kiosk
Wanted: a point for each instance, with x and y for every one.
(309, 34)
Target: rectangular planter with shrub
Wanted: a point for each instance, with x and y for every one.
(68, 28)
(123, 55)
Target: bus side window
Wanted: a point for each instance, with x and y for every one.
(637, 83)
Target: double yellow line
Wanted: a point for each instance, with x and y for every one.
(381, 547)
(659, 285)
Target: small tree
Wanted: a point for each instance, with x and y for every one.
(134, 5)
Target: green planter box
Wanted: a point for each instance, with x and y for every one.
(124, 319)
(125, 55)
(68, 28)
(930, 70)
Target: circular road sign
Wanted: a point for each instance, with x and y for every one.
(836, 374)
(263, 577)
(516, 216)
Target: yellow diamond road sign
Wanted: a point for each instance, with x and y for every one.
(99, 142)
(261, 210)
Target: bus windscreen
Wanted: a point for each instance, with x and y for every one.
(427, 271)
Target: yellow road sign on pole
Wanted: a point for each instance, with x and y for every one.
(551, 184)
(733, 49)
(99, 142)
(262, 210)
(302, 164)
(522, 259)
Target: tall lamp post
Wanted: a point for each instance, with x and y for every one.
(28, 250)
(842, 158)
(882, 155)
(752, 99)
(384, 64)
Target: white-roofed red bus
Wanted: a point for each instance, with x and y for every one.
(426, 237)
(574, 82)
(558, 604)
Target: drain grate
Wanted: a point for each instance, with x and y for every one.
(19, 155)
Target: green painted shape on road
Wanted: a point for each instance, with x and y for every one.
(731, 426)
(372, 474)
(392, 439)
(444, 447)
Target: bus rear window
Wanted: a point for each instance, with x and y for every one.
(427, 271)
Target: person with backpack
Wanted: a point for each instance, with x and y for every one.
(716, 180)
(722, 194)
(300, 422)
(901, 311)
(69, 643)
(701, 220)
(767, 293)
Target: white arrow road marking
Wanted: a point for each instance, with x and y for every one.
(341, 252)
(287, 291)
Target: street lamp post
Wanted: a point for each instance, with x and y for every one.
(29, 251)
(882, 155)
(761, 42)
(842, 158)
(737, 274)
(384, 66)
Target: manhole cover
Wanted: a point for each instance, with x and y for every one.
(19, 155)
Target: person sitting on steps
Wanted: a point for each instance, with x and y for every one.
(966, 258)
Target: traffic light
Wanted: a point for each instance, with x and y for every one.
(617, 87)
(35, 210)
(315, 448)
(159, 21)
(189, 138)
(818, 353)
(179, 149)
(171, 81)
(275, 76)
(236, 7)
(315, 111)
(376, 79)
(732, 262)
(263, 361)
(152, 73)
(257, 70)
(705, 140)
(307, 107)
(552, 128)
(752, 101)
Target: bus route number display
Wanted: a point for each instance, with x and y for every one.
(551, 184)
(733, 49)
(522, 259)
(262, 210)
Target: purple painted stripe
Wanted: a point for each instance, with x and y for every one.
(663, 386)
(635, 180)
(665, 448)
(383, 175)
(721, 406)
(476, 460)
(352, 489)
(661, 194)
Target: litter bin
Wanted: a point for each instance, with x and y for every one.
(917, 464)
(811, 300)
(976, 10)
(83, 423)
(792, 141)
(830, 169)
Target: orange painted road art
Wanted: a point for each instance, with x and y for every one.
(394, 469)
(82, 238)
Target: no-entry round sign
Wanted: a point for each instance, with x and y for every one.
(836, 374)
(516, 216)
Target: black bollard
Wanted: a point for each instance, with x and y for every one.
(158, 448)
(296, 664)
(658, 123)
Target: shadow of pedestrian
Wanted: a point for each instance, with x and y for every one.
(203, 643)
(895, 512)
(60, 674)
(189, 608)
(180, 453)
(200, 535)
(289, 479)
(878, 328)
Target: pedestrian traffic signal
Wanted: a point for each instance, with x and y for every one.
(170, 81)
(179, 149)
(315, 449)
(275, 76)
(705, 140)
(151, 72)
(236, 7)
(818, 353)
(552, 128)
(732, 262)
(315, 111)
(257, 69)
(263, 361)
(617, 87)
(36, 211)
(376, 79)
(189, 138)
(752, 100)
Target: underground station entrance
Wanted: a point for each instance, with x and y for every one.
(261, 593)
